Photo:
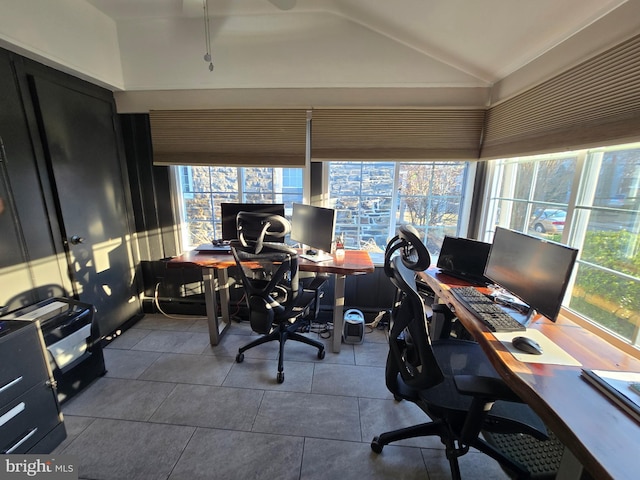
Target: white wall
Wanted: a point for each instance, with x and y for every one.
(69, 35)
(294, 51)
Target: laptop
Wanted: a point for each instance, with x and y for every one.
(218, 247)
(465, 259)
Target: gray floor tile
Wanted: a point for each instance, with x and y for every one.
(173, 342)
(199, 325)
(330, 459)
(472, 465)
(230, 343)
(182, 368)
(160, 322)
(74, 427)
(377, 335)
(167, 390)
(352, 380)
(214, 407)
(127, 363)
(256, 373)
(309, 415)
(119, 398)
(380, 416)
(222, 454)
(128, 339)
(372, 354)
(116, 449)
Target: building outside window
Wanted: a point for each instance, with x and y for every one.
(590, 200)
(372, 199)
(203, 188)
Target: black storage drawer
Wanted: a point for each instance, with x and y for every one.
(21, 363)
(30, 417)
(25, 420)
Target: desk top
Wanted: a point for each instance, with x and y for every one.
(602, 437)
(355, 262)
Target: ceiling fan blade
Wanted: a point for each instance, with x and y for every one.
(284, 4)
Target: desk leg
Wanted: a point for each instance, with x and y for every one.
(216, 328)
(223, 288)
(338, 311)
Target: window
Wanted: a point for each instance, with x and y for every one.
(590, 200)
(203, 189)
(373, 198)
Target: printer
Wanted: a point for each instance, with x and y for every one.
(72, 340)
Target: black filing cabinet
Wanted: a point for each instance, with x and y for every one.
(30, 416)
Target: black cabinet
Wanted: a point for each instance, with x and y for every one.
(30, 417)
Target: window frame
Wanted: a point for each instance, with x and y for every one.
(585, 179)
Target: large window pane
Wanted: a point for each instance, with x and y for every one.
(534, 195)
(430, 199)
(362, 194)
(373, 198)
(203, 189)
(607, 284)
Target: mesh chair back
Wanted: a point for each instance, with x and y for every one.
(270, 279)
(410, 352)
(253, 226)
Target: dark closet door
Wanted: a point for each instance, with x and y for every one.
(81, 146)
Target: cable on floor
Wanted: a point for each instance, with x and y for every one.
(182, 317)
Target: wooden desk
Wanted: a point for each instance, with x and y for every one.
(214, 274)
(600, 436)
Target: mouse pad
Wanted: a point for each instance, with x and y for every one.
(551, 353)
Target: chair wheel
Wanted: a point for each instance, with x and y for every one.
(240, 357)
(280, 377)
(397, 398)
(321, 354)
(376, 446)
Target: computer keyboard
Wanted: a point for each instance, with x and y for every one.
(494, 317)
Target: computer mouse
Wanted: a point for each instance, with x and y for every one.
(311, 252)
(527, 345)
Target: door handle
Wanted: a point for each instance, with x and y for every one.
(76, 239)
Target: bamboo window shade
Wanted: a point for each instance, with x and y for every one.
(235, 137)
(595, 103)
(396, 134)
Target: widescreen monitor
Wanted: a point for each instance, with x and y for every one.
(535, 270)
(464, 258)
(313, 226)
(229, 212)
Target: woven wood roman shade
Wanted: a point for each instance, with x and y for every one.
(396, 134)
(595, 103)
(236, 137)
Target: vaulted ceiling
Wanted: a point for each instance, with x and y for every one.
(399, 51)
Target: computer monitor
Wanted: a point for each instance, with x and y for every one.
(464, 258)
(535, 270)
(229, 212)
(313, 226)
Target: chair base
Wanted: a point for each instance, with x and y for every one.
(453, 448)
(282, 333)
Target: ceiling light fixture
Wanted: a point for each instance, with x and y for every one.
(207, 35)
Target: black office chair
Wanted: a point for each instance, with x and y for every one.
(250, 227)
(451, 380)
(278, 303)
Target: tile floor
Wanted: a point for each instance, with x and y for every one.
(171, 406)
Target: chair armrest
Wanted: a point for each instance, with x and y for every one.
(489, 388)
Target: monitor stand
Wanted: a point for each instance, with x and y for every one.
(318, 257)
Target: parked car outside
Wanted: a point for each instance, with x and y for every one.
(548, 220)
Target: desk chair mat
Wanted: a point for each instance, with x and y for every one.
(542, 457)
(552, 354)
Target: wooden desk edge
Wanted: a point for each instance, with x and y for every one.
(508, 367)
